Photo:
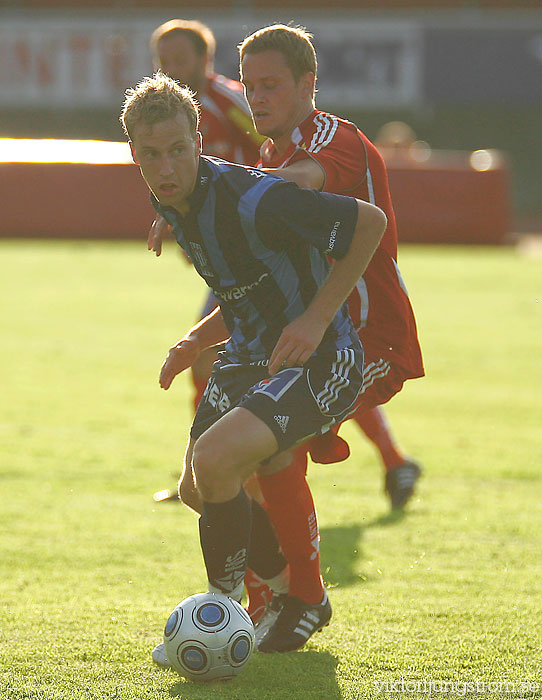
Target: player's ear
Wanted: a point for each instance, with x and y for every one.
(132, 151)
(199, 142)
(307, 82)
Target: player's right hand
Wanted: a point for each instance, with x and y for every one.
(181, 356)
(156, 234)
(297, 342)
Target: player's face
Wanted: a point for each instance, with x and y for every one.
(168, 156)
(278, 103)
(178, 59)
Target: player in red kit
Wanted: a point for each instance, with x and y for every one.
(379, 307)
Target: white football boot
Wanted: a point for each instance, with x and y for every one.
(267, 620)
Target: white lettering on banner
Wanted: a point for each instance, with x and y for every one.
(63, 58)
(55, 60)
(371, 63)
(52, 64)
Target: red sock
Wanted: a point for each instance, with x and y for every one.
(258, 595)
(375, 425)
(199, 385)
(291, 509)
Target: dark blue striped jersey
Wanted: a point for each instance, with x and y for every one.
(260, 243)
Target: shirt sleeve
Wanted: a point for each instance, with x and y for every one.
(343, 159)
(287, 214)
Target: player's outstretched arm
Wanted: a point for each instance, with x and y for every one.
(210, 331)
(300, 338)
(305, 173)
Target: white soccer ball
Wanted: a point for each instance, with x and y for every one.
(209, 636)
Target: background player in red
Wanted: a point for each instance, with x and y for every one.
(320, 150)
(185, 50)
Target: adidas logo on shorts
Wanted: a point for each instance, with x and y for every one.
(282, 421)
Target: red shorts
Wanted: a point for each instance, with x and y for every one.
(381, 381)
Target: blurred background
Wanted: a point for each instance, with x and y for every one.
(459, 80)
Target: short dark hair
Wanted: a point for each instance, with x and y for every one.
(294, 43)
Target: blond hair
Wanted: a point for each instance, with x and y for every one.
(202, 38)
(294, 43)
(156, 99)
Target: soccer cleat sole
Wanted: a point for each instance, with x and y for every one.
(165, 495)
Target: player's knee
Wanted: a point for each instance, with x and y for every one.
(207, 463)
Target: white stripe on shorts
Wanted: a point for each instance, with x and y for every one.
(374, 371)
(338, 379)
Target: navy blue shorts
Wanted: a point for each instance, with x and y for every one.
(296, 403)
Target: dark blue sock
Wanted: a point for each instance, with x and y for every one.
(225, 540)
(264, 557)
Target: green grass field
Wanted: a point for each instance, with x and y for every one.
(91, 567)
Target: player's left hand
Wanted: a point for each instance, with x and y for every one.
(181, 356)
(297, 342)
(156, 235)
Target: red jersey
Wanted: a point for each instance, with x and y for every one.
(226, 125)
(379, 306)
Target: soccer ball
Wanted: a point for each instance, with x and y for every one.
(209, 636)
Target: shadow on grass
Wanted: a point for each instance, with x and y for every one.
(392, 518)
(306, 674)
(340, 549)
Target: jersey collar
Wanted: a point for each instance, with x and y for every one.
(201, 189)
(268, 152)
